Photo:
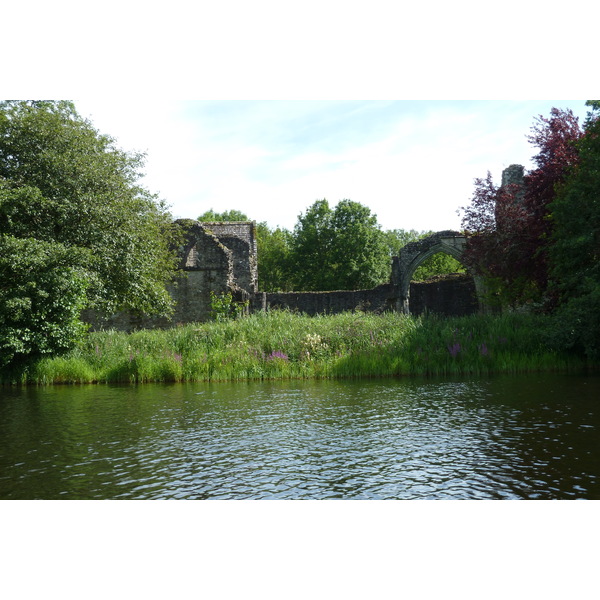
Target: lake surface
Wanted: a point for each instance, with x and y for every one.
(502, 437)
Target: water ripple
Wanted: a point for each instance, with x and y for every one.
(505, 438)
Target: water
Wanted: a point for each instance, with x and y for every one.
(504, 437)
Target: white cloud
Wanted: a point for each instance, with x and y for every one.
(413, 163)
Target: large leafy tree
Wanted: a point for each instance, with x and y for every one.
(325, 247)
(226, 216)
(509, 227)
(311, 248)
(42, 292)
(70, 190)
(275, 273)
(340, 248)
(556, 139)
(498, 244)
(575, 250)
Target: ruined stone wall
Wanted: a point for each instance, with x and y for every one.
(244, 230)
(451, 295)
(379, 299)
(513, 175)
(244, 269)
(513, 180)
(240, 238)
(207, 266)
(222, 258)
(454, 295)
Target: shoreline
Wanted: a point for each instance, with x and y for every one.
(280, 345)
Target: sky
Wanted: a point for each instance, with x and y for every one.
(411, 162)
(265, 108)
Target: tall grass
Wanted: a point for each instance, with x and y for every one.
(283, 345)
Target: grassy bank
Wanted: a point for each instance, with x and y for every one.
(281, 345)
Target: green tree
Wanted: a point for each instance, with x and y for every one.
(64, 184)
(274, 258)
(509, 228)
(311, 248)
(343, 248)
(437, 265)
(42, 292)
(398, 238)
(210, 216)
(575, 249)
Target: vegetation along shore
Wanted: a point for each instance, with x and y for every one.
(283, 345)
(79, 233)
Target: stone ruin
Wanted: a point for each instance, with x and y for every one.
(221, 258)
(217, 258)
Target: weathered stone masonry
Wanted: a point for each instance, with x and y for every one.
(240, 238)
(454, 296)
(222, 258)
(207, 265)
(412, 255)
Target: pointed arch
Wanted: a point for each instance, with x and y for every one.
(415, 253)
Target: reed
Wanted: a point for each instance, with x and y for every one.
(284, 345)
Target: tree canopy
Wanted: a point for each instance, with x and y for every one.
(509, 227)
(68, 191)
(340, 248)
(226, 216)
(275, 273)
(42, 293)
(539, 244)
(574, 252)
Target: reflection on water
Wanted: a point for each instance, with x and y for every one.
(500, 438)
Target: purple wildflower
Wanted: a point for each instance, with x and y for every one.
(454, 349)
(277, 354)
(483, 350)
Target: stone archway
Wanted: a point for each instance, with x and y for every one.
(414, 253)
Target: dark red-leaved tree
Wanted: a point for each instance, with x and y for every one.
(508, 226)
(556, 139)
(498, 247)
